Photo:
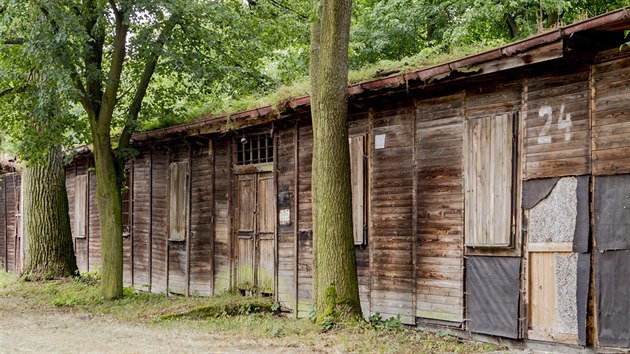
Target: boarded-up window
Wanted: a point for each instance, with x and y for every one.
(357, 170)
(80, 206)
(488, 143)
(178, 201)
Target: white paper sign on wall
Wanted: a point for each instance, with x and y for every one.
(379, 141)
(285, 217)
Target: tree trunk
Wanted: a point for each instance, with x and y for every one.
(48, 238)
(110, 216)
(335, 285)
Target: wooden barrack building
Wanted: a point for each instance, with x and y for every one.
(491, 194)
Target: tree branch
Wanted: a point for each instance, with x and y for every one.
(13, 41)
(93, 58)
(145, 79)
(13, 90)
(108, 103)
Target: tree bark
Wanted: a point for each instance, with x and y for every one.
(48, 238)
(335, 285)
(110, 216)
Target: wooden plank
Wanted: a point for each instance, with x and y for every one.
(550, 247)
(542, 293)
(178, 203)
(80, 206)
(357, 172)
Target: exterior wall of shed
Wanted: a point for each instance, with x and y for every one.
(413, 262)
(10, 223)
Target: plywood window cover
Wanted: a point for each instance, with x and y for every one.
(178, 205)
(254, 149)
(477, 234)
(357, 145)
(81, 206)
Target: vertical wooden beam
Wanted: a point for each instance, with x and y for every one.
(168, 226)
(151, 219)
(370, 241)
(230, 220)
(87, 218)
(592, 337)
(131, 197)
(296, 216)
(6, 226)
(275, 138)
(414, 218)
(521, 217)
(212, 214)
(189, 214)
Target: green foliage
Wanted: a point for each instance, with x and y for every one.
(392, 323)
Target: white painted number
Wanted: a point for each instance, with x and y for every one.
(564, 123)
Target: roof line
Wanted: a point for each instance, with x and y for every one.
(422, 74)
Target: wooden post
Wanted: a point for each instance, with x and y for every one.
(274, 136)
(296, 216)
(168, 222)
(130, 220)
(212, 214)
(230, 220)
(414, 226)
(189, 214)
(150, 219)
(6, 226)
(87, 220)
(370, 239)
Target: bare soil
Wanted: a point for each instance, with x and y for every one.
(27, 329)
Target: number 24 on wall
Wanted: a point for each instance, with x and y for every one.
(564, 123)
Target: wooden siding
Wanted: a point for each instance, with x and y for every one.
(440, 231)
(4, 230)
(359, 125)
(140, 193)
(391, 236)
(285, 168)
(81, 246)
(611, 120)
(557, 138)
(94, 227)
(222, 233)
(10, 204)
(201, 210)
(305, 232)
(159, 214)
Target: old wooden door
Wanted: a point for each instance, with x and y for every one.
(255, 233)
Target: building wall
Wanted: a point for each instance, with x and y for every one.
(570, 121)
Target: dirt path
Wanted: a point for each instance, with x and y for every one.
(24, 329)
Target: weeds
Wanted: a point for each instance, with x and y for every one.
(234, 316)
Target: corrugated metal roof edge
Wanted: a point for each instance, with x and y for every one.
(420, 74)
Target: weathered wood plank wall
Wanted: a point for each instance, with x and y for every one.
(391, 212)
(10, 187)
(305, 219)
(222, 217)
(286, 176)
(557, 137)
(440, 232)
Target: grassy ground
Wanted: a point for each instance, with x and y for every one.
(231, 316)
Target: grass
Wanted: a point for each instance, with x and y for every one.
(233, 316)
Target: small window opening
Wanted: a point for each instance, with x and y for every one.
(253, 149)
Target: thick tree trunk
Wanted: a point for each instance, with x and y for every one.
(48, 244)
(336, 291)
(110, 216)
